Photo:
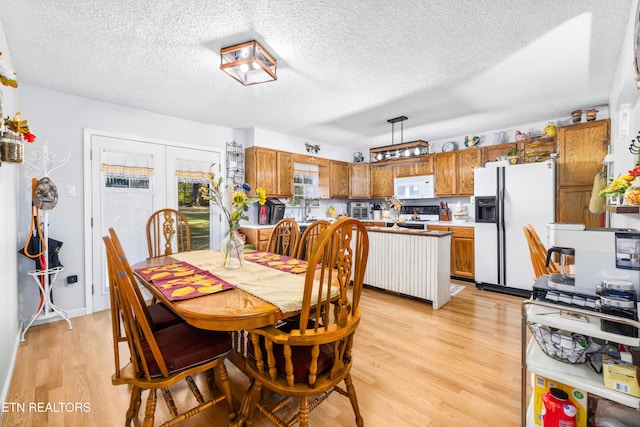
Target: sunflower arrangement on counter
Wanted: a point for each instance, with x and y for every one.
(620, 186)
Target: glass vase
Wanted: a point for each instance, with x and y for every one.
(233, 248)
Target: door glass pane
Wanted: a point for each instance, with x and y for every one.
(192, 176)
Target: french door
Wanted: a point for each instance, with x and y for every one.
(130, 179)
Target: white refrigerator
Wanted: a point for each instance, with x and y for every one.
(508, 197)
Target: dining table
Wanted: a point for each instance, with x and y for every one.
(261, 293)
(266, 289)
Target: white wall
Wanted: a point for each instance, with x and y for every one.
(58, 120)
(9, 323)
(625, 95)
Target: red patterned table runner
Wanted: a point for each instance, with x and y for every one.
(280, 262)
(181, 280)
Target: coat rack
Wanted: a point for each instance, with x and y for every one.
(45, 277)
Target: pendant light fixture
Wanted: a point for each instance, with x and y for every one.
(249, 63)
(404, 152)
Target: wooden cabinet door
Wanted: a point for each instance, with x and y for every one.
(381, 181)
(462, 252)
(359, 188)
(493, 152)
(445, 174)
(467, 161)
(261, 170)
(415, 169)
(339, 186)
(572, 205)
(285, 174)
(581, 149)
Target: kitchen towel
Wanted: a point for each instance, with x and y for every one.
(597, 202)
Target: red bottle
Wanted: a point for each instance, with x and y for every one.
(262, 217)
(557, 409)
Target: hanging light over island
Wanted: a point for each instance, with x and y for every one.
(404, 152)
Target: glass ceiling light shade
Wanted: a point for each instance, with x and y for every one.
(249, 63)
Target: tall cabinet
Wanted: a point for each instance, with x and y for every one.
(581, 149)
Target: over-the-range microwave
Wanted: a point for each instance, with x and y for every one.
(414, 187)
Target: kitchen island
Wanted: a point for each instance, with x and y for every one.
(410, 262)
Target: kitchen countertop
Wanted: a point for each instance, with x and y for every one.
(441, 223)
(432, 233)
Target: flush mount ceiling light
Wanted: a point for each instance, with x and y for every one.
(249, 63)
(405, 152)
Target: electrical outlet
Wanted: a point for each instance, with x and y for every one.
(72, 280)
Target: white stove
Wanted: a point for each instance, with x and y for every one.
(421, 213)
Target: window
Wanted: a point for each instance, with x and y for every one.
(305, 182)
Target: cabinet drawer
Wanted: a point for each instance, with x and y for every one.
(463, 231)
(264, 234)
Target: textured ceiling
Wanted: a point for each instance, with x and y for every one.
(344, 68)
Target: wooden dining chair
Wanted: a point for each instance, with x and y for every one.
(310, 357)
(160, 359)
(538, 253)
(310, 237)
(168, 232)
(157, 314)
(284, 237)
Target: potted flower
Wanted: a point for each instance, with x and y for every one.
(513, 155)
(233, 202)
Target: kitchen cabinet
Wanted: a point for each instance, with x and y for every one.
(269, 169)
(415, 169)
(579, 376)
(445, 170)
(462, 250)
(261, 169)
(467, 161)
(454, 172)
(257, 237)
(493, 152)
(284, 163)
(381, 182)
(339, 182)
(581, 148)
(359, 181)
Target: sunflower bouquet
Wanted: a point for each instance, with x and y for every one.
(619, 185)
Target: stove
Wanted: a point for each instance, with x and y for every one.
(424, 213)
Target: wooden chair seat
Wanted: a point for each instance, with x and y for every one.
(184, 347)
(301, 357)
(162, 317)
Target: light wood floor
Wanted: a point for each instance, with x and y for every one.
(413, 366)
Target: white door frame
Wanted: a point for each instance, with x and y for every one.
(88, 195)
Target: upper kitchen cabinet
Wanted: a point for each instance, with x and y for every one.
(359, 181)
(271, 170)
(454, 171)
(467, 161)
(415, 169)
(261, 169)
(581, 149)
(339, 183)
(381, 182)
(493, 152)
(285, 174)
(445, 173)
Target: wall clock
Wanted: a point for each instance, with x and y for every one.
(449, 146)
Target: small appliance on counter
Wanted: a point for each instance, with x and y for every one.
(598, 271)
(275, 210)
(359, 210)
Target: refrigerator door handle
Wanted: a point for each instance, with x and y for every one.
(502, 242)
